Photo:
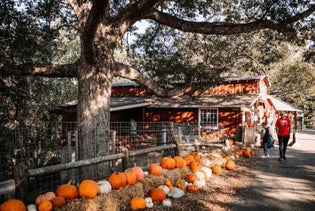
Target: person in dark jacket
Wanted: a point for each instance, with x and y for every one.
(265, 133)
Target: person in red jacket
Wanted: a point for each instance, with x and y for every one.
(283, 128)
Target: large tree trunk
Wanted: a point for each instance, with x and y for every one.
(95, 83)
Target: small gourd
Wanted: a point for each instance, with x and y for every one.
(200, 175)
(148, 202)
(45, 206)
(230, 165)
(59, 201)
(104, 186)
(165, 188)
(167, 203)
(31, 207)
(207, 171)
(192, 188)
(157, 194)
(199, 183)
(191, 177)
(137, 203)
(176, 193)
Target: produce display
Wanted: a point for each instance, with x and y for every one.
(167, 180)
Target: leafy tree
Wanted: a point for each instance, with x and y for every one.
(103, 24)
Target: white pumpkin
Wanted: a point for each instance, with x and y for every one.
(199, 183)
(207, 170)
(31, 207)
(200, 175)
(145, 173)
(104, 186)
(165, 188)
(148, 202)
(176, 193)
(167, 203)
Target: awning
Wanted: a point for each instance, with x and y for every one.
(280, 105)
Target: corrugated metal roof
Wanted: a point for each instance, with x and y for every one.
(281, 105)
(229, 100)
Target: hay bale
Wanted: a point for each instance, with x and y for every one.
(176, 174)
(124, 195)
(151, 181)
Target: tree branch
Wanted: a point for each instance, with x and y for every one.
(133, 74)
(64, 71)
(224, 27)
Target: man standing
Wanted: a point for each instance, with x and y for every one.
(283, 128)
(133, 129)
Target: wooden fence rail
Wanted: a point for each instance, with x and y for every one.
(76, 164)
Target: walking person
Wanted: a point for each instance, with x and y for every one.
(265, 133)
(283, 129)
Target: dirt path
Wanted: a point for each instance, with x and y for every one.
(285, 185)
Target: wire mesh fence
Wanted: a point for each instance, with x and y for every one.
(57, 143)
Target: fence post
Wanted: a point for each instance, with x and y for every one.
(125, 159)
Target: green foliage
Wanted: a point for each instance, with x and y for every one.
(295, 83)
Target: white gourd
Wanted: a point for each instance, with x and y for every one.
(104, 186)
(208, 171)
(199, 183)
(165, 188)
(148, 202)
(167, 203)
(31, 207)
(176, 193)
(200, 175)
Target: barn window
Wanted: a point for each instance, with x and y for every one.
(209, 118)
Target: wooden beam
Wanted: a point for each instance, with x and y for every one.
(7, 187)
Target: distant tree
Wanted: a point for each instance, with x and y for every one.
(103, 24)
(295, 83)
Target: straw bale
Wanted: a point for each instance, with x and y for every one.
(151, 181)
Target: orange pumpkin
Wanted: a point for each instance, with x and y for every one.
(13, 204)
(196, 156)
(238, 153)
(157, 194)
(45, 206)
(138, 171)
(191, 177)
(117, 180)
(195, 167)
(67, 191)
(247, 153)
(189, 159)
(137, 203)
(230, 165)
(216, 169)
(88, 189)
(131, 177)
(168, 163)
(192, 188)
(49, 196)
(59, 201)
(179, 162)
(155, 169)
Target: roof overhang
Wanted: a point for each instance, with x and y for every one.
(280, 105)
(116, 104)
(218, 101)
